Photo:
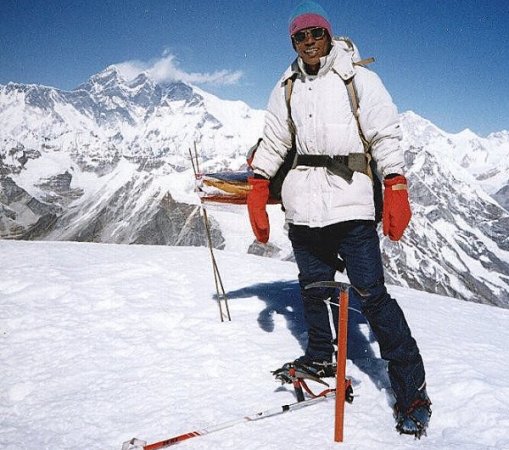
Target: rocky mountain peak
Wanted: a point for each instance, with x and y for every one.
(110, 75)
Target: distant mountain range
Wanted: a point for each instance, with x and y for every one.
(109, 162)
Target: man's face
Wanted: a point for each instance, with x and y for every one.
(311, 44)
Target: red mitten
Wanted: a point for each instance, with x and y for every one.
(256, 202)
(396, 210)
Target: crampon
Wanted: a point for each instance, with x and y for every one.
(296, 374)
(416, 419)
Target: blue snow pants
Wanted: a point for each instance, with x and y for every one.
(357, 243)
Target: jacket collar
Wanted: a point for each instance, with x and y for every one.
(339, 60)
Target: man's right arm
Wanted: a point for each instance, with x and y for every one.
(277, 138)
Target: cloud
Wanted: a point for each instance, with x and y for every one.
(167, 69)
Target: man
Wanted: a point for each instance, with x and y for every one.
(328, 200)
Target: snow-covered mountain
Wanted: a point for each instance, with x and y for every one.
(105, 161)
(458, 241)
(109, 162)
(485, 159)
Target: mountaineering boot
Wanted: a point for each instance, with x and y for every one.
(304, 368)
(297, 372)
(317, 369)
(415, 419)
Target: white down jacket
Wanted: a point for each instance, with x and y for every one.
(325, 125)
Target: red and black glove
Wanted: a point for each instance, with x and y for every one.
(256, 204)
(396, 209)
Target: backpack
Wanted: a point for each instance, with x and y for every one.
(276, 182)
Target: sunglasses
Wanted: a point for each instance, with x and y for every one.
(316, 34)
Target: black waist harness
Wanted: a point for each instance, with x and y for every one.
(341, 165)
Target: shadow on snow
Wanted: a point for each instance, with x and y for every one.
(283, 297)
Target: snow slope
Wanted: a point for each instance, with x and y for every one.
(100, 343)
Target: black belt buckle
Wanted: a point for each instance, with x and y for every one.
(336, 166)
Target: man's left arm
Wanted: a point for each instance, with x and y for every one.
(380, 123)
(379, 120)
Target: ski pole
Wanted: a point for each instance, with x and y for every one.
(221, 294)
(138, 444)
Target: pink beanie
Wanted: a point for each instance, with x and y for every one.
(307, 15)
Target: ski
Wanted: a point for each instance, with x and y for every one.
(138, 444)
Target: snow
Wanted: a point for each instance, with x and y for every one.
(101, 343)
(234, 224)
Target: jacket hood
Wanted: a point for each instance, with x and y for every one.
(340, 59)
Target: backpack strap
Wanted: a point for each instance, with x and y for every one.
(354, 104)
(371, 169)
(362, 62)
(292, 153)
(288, 95)
(353, 96)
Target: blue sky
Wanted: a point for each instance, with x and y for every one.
(447, 60)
